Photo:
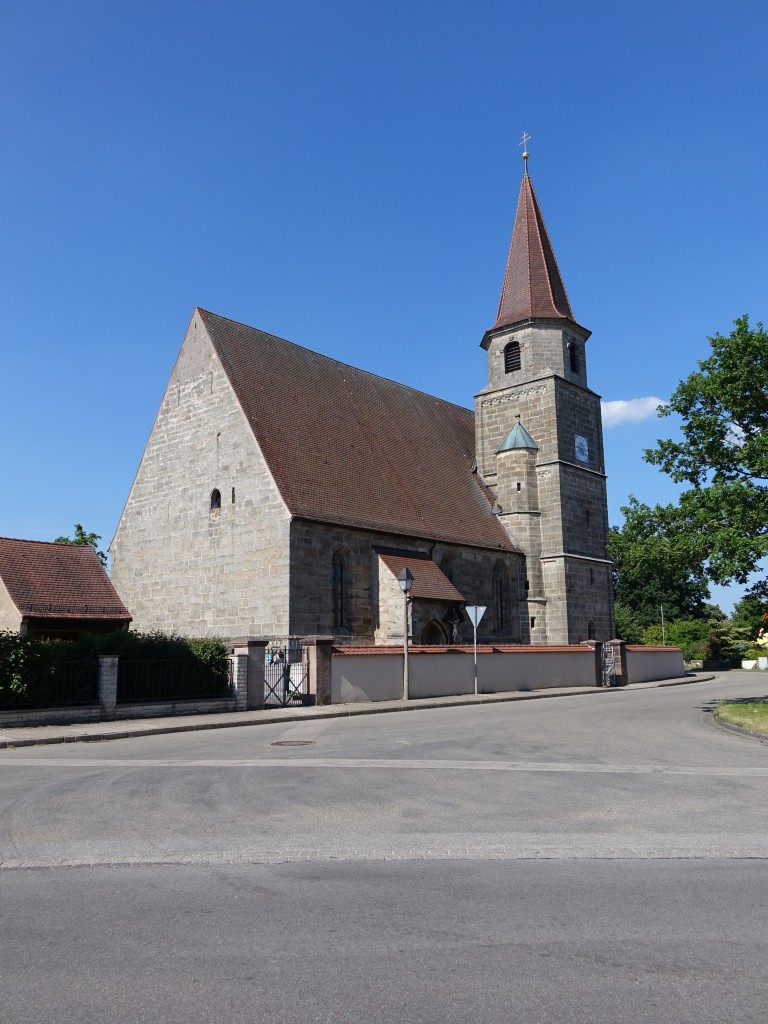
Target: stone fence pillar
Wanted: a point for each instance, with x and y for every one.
(239, 665)
(108, 684)
(320, 653)
(249, 692)
(596, 647)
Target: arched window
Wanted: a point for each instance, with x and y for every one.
(499, 598)
(591, 630)
(337, 590)
(573, 352)
(433, 634)
(215, 500)
(512, 357)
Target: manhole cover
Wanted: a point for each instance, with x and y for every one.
(293, 743)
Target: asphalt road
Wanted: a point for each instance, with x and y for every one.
(577, 859)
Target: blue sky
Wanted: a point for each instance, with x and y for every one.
(345, 174)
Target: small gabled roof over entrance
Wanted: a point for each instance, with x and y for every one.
(429, 580)
(58, 581)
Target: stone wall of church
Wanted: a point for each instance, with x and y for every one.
(373, 608)
(178, 564)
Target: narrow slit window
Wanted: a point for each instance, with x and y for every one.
(573, 351)
(337, 590)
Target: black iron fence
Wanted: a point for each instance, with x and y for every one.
(64, 684)
(144, 681)
(286, 674)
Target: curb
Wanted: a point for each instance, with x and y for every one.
(740, 730)
(147, 728)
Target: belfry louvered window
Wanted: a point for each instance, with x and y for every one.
(512, 357)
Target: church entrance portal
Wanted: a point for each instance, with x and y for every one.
(433, 634)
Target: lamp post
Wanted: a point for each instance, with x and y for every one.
(405, 579)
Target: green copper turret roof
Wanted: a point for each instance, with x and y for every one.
(518, 437)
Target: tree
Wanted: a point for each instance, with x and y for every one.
(83, 538)
(722, 520)
(651, 568)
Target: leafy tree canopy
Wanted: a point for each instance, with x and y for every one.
(651, 568)
(83, 538)
(722, 520)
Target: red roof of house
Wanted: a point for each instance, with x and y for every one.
(62, 581)
(429, 580)
(349, 448)
(532, 285)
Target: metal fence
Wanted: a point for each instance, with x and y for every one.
(286, 674)
(147, 681)
(65, 684)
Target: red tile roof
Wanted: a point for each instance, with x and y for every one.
(532, 285)
(48, 580)
(348, 448)
(429, 580)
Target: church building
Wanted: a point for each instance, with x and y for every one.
(281, 492)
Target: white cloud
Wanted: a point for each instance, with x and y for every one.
(630, 410)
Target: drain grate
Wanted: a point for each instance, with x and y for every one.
(293, 743)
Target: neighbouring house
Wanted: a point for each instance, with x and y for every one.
(281, 491)
(56, 590)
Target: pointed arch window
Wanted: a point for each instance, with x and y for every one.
(215, 500)
(512, 357)
(499, 598)
(337, 590)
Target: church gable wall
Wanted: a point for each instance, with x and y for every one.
(178, 564)
(373, 601)
(10, 616)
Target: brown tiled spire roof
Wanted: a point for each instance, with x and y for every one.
(49, 580)
(348, 448)
(532, 285)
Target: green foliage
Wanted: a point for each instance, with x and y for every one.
(651, 568)
(722, 521)
(31, 667)
(629, 627)
(82, 538)
(690, 635)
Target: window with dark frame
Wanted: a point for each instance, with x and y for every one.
(337, 590)
(499, 611)
(512, 357)
(573, 351)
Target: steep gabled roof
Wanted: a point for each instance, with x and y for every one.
(349, 448)
(48, 580)
(532, 285)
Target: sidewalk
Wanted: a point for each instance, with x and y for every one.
(97, 731)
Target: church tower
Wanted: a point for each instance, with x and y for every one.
(539, 443)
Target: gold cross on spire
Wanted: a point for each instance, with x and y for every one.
(522, 143)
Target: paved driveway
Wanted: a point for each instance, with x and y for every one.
(574, 859)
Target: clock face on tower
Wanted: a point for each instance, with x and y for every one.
(582, 448)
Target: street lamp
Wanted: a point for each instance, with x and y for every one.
(405, 579)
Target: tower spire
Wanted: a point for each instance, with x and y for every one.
(532, 285)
